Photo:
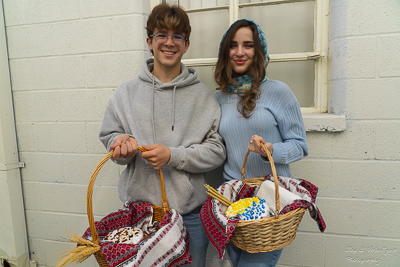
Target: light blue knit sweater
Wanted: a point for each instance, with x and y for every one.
(276, 118)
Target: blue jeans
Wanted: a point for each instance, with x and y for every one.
(198, 240)
(241, 258)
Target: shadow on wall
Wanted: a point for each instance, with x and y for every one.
(215, 178)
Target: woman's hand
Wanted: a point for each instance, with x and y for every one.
(254, 145)
(124, 147)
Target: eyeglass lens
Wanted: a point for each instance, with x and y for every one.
(177, 38)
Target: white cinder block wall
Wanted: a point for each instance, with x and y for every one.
(67, 57)
(358, 170)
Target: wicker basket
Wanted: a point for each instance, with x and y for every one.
(267, 234)
(158, 211)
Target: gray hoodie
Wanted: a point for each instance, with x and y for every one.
(182, 115)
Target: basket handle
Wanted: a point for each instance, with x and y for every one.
(95, 236)
(276, 183)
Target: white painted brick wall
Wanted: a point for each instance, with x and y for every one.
(360, 194)
(67, 57)
(30, 41)
(99, 8)
(389, 55)
(106, 70)
(82, 36)
(92, 132)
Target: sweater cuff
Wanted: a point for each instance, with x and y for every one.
(177, 158)
(278, 155)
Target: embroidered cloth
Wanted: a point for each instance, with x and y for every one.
(220, 228)
(167, 246)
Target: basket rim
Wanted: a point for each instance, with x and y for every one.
(274, 218)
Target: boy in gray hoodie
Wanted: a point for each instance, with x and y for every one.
(175, 118)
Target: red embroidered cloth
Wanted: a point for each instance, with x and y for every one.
(167, 246)
(220, 229)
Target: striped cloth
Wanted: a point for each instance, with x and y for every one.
(167, 246)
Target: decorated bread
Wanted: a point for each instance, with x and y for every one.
(125, 235)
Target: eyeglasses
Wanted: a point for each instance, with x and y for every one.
(162, 37)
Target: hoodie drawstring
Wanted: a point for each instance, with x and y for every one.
(173, 108)
(152, 111)
(152, 115)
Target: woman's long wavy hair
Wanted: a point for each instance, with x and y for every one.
(224, 74)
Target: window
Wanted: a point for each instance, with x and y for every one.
(297, 35)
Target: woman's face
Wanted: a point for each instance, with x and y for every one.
(241, 51)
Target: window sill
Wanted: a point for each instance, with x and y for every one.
(324, 122)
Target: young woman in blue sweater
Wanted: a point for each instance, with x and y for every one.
(255, 110)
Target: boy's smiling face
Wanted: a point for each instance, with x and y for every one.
(168, 54)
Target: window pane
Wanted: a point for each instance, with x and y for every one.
(207, 30)
(206, 76)
(299, 75)
(289, 27)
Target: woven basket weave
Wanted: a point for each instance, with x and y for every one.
(158, 211)
(267, 234)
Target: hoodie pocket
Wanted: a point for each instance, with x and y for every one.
(142, 184)
(180, 192)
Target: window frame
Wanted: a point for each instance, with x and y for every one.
(319, 53)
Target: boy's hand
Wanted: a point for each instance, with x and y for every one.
(156, 155)
(124, 147)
